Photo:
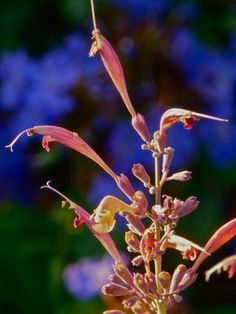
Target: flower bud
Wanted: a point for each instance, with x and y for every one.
(115, 290)
(151, 282)
(140, 283)
(125, 186)
(123, 273)
(167, 159)
(160, 141)
(134, 223)
(137, 261)
(139, 308)
(177, 276)
(189, 205)
(164, 280)
(140, 204)
(181, 176)
(129, 302)
(139, 124)
(132, 241)
(140, 172)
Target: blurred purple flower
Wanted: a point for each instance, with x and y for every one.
(84, 279)
(143, 9)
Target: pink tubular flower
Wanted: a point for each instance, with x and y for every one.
(65, 137)
(104, 238)
(112, 64)
(72, 140)
(227, 264)
(187, 117)
(219, 238)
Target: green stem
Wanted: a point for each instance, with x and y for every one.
(158, 261)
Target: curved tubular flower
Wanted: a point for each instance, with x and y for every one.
(103, 215)
(113, 66)
(227, 264)
(187, 117)
(104, 238)
(219, 238)
(65, 137)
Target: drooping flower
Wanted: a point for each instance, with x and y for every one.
(104, 238)
(187, 117)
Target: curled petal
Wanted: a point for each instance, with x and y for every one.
(188, 118)
(139, 124)
(112, 65)
(65, 137)
(228, 264)
(219, 238)
(104, 214)
(185, 246)
(104, 238)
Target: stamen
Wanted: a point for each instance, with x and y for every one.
(27, 131)
(49, 187)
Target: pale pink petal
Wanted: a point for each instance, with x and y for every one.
(65, 137)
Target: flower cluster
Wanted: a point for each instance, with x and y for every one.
(151, 225)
